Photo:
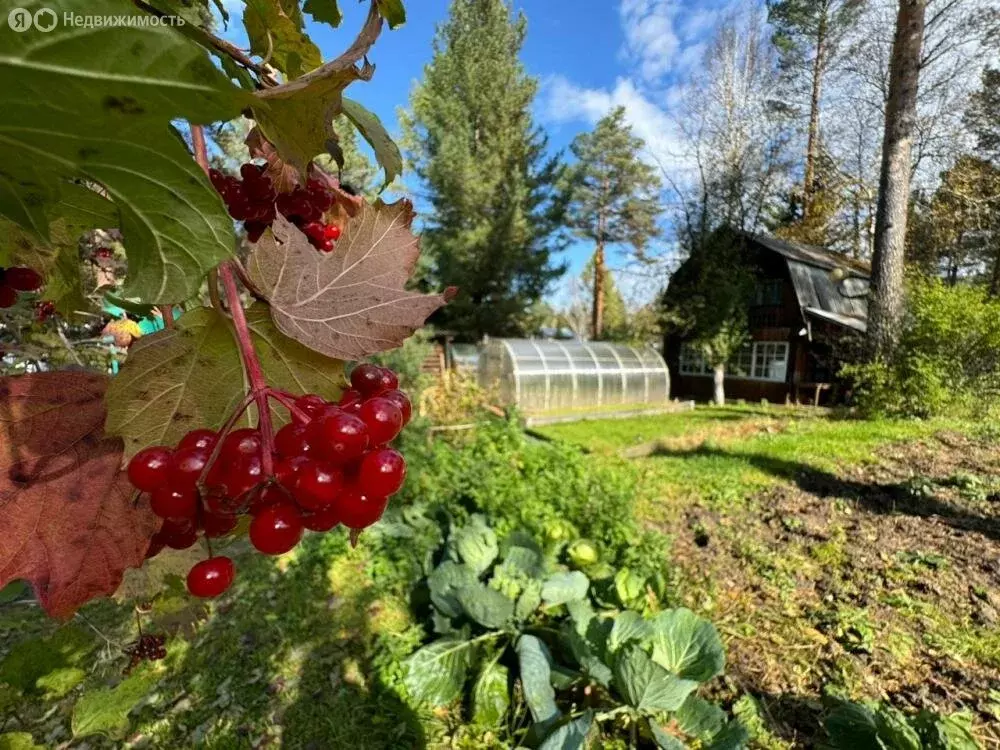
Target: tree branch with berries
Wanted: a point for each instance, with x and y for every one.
(239, 407)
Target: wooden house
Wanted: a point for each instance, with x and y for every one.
(809, 307)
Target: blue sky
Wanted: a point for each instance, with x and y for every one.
(589, 56)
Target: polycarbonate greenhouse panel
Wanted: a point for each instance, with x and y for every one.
(538, 375)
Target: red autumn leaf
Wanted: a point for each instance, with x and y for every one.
(69, 526)
(284, 176)
(351, 302)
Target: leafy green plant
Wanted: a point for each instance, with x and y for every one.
(506, 613)
(878, 726)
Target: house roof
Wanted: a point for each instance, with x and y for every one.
(821, 294)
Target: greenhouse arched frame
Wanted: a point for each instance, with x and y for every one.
(542, 375)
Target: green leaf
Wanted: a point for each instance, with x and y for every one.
(275, 31)
(487, 606)
(629, 626)
(490, 696)
(33, 659)
(18, 741)
(444, 583)
(13, 591)
(324, 11)
(191, 376)
(297, 117)
(571, 735)
(476, 544)
(529, 601)
(687, 645)
(646, 685)
(58, 683)
(630, 588)
(588, 650)
(135, 308)
(106, 711)
(894, 729)
(851, 726)
(438, 671)
(535, 665)
(663, 739)
(734, 736)
(560, 588)
(523, 559)
(371, 129)
(393, 12)
(117, 135)
(952, 732)
(699, 718)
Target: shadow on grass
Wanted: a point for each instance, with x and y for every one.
(875, 497)
(286, 661)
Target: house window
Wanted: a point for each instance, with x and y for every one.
(770, 360)
(761, 360)
(692, 361)
(768, 292)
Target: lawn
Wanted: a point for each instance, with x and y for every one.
(836, 557)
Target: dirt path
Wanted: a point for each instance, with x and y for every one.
(882, 580)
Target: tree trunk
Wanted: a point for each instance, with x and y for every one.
(995, 277)
(885, 312)
(812, 147)
(597, 313)
(719, 385)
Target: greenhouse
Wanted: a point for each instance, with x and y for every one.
(550, 375)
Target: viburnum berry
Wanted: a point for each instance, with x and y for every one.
(186, 466)
(285, 470)
(149, 647)
(22, 279)
(242, 442)
(243, 474)
(179, 533)
(276, 529)
(201, 439)
(215, 524)
(317, 485)
(167, 501)
(358, 510)
(339, 437)
(267, 496)
(149, 468)
(401, 400)
(8, 296)
(382, 472)
(323, 519)
(389, 380)
(383, 419)
(367, 379)
(211, 577)
(349, 398)
(292, 440)
(44, 309)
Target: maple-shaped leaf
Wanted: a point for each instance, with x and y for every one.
(284, 176)
(70, 527)
(351, 302)
(297, 117)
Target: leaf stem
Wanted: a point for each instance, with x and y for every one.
(288, 402)
(251, 365)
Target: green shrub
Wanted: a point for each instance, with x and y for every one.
(948, 360)
(879, 726)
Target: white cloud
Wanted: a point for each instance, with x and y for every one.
(665, 36)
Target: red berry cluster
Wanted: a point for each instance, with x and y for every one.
(332, 465)
(44, 310)
(147, 648)
(254, 201)
(17, 279)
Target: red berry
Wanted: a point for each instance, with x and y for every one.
(367, 379)
(291, 440)
(276, 529)
(44, 310)
(382, 472)
(174, 502)
(358, 511)
(186, 466)
(219, 503)
(383, 418)
(149, 468)
(286, 469)
(332, 232)
(338, 436)
(245, 473)
(350, 397)
(325, 246)
(266, 497)
(216, 525)
(251, 172)
(317, 485)
(321, 520)
(310, 403)
(401, 400)
(254, 229)
(218, 179)
(8, 297)
(22, 279)
(203, 439)
(242, 442)
(389, 381)
(314, 230)
(211, 577)
(179, 533)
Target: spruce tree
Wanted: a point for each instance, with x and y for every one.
(612, 197)
(496, 218)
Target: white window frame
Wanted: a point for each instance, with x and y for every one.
(692, 363)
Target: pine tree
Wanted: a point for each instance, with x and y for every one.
(612, 197)
(983, 115)
(496, 219)
(807, 34)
